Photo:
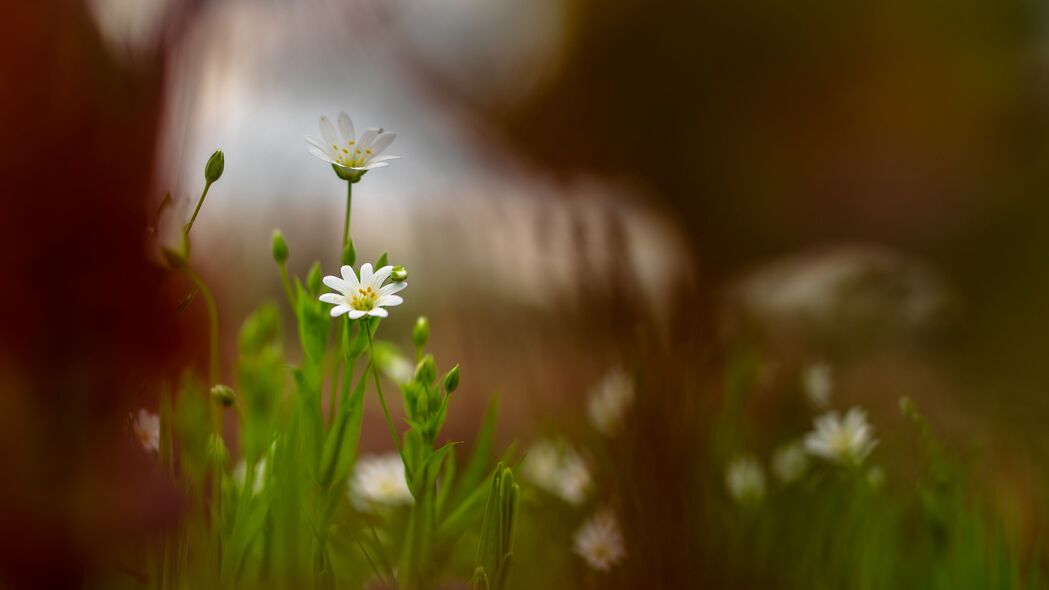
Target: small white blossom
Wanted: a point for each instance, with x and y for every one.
(240, 474)
(367, 296)
(745, 480)
(609, 403)
(379, 480)
(147, 430)
(399, 369)
(346, 150)
(817, 381)
(846, 441)
(600, 542)
(790, 462)
(558, 469)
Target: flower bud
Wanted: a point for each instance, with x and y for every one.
(421, 332)
(426, 371)
(399, 274)
(216, 164)
(223, 395)
(216, 449)
(451, 379)
(313, 278)
(280, 247)
(349, 254)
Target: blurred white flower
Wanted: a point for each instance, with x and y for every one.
(379, 480)
(600, 542)
(745, 480)
(399, 369)
(558, 469)
(845, 441)
(240, 474)
(367, 296)
(346, 150)
(147, 430)
(789, 462)
(610, 402)
(817, 382)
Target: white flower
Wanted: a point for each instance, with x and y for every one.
(609, 403)
(367, 296)
(600, 542)
(817, 381)
(846, 441)
(147, 430)
(745, 480)
(379, 480)
(240, 474)
(399, 369)
(558, 469)
(789, 462)
(346, 150)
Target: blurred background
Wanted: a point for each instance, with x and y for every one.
(584, 185)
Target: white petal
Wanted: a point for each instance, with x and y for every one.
(366, 274)
(328, 131)
(370, 166)
(316, 153)
(346, 128)
(392, 288)
(320, 146)
(351, 279)
(379, 313)
(383, 159)
(356, 313)
(382, 142)
(333, 298)
(335, 283)
(380, 276)
(389, 300)
(338, 310)
(368, 137)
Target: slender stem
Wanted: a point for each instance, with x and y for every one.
(213, 317)
(349, 206)
(285, 281)
(378, 387)
(200, 201)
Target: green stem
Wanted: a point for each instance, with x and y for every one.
(349, 206)
(213, 317)
(378, 387)
(285, 281)
(200, 201)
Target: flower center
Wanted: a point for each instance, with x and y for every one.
(364, 299)
(351, 157)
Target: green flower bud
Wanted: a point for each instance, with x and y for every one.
(349, 254)
(216, 164)
(421, 332)
(399, 274)
(280, 246)
(907, 408)
(451, 379)
(223, 395)
(313, 278)
(217, 452)
(426, 371)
